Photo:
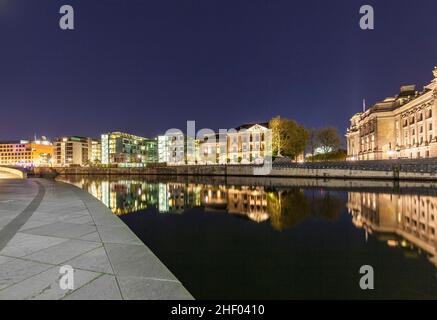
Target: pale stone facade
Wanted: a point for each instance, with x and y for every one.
(413, 218)
(213, 149)
(248, 143)
(404, 126)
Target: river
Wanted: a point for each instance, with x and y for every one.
(244, 238)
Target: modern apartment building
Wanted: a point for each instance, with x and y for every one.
(26, 153)
(181, 149)
(163, 145)
(96, 151)
(128, 150)
(403, 126)
(151, 151)
(73, 151)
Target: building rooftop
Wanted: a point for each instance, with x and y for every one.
(406, 94)
(249, 125)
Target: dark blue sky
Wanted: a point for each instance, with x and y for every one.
(146, 66)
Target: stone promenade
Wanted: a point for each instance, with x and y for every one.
(45, 225)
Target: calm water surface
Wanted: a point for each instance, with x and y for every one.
(281, 239)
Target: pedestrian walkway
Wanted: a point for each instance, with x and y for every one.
(45, 225)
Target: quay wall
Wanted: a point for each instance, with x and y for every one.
(14, 172)
(386, 171)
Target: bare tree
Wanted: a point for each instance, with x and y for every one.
(329, 139)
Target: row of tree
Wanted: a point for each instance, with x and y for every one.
(291, 139)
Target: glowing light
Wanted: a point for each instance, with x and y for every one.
(392, 243)
(391, 153)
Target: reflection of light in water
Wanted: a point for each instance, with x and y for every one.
(409, 219)
(283, 208)
(125, 196)
(392, 243)
(258, 217)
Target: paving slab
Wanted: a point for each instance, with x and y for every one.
(17, 270)
(63, 230)
(133, 260)
(134, 288)
(102, 288)
(33, 223)
(118, 234)
(45, 286)
(4, 259)
(82, 219)
(27, 206)
(63, 252)
(25, 244)
(95, 260)
(68, 226)
(94, 236)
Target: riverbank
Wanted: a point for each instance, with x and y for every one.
(422, 169)
(359, 185)
(46, 224)
(283, 224)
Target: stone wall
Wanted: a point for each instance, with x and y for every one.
(14, 172)
(386, 171)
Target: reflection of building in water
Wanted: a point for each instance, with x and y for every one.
(248, 201)
(123, 196)
(178, 197)
(214, 198)
(163, 197)
(126, 196)
(283, 208)
(412, 217)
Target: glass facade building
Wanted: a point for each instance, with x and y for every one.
(127, 150)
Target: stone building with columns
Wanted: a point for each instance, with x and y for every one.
(403, 126)
(408, 221)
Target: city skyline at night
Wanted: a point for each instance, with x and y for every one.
(146, 67)
(224, 156)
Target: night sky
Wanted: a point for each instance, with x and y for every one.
(146, 66)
